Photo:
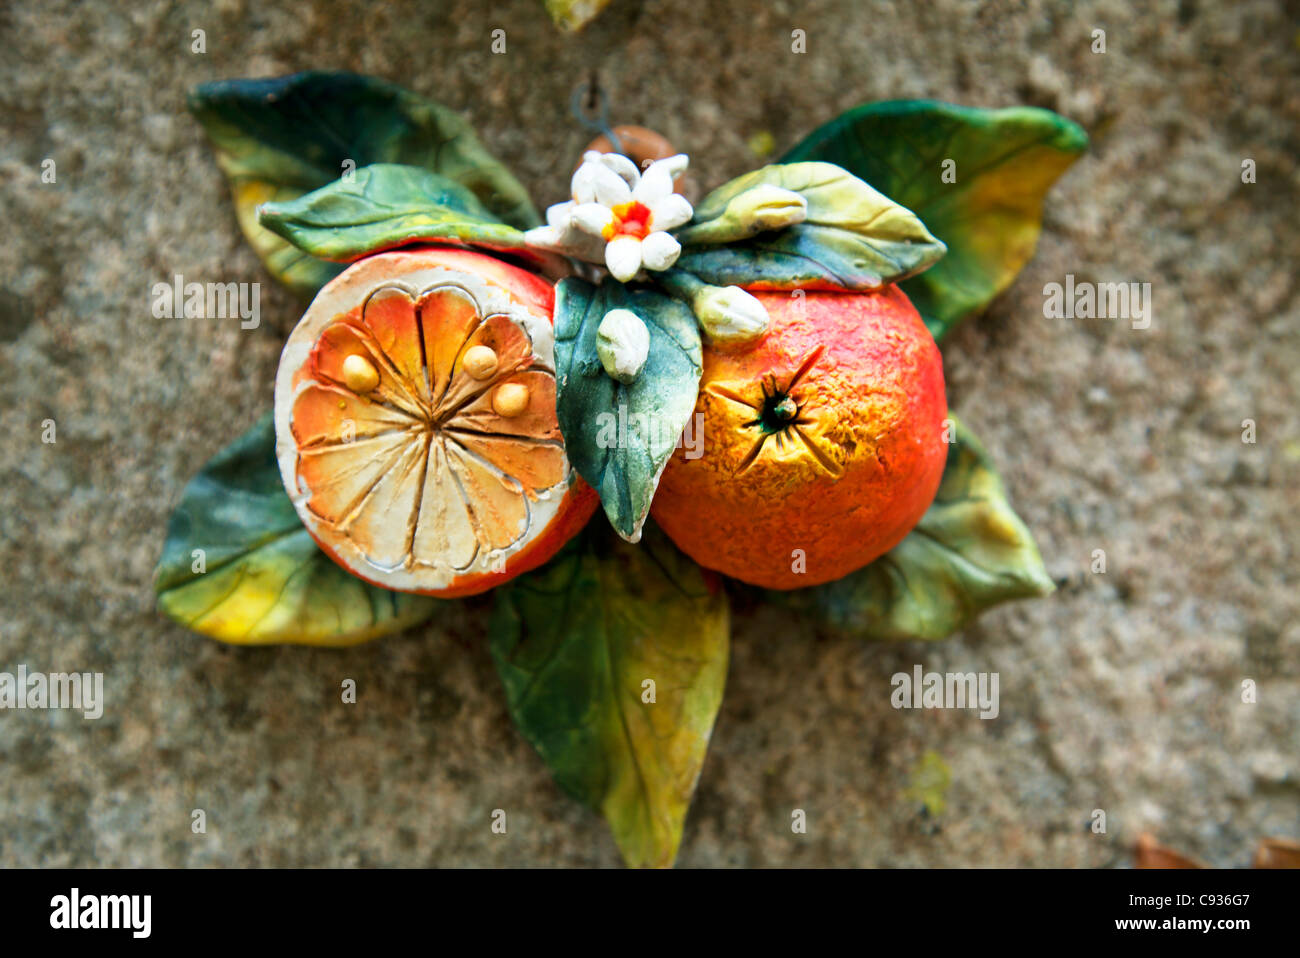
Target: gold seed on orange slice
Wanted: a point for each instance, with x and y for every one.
(480, 362)
(359, 375)
(510, 399)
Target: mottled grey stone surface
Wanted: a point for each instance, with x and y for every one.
(1121, 692)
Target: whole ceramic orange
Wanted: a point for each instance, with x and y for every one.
(823, 441)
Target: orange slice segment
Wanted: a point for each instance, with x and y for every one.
(497, 504)
(449, 315)
(444, 535)
(513, 353)
(537, 421)
(389, 315)
(415, 423)
(344, 340)
(328, 414)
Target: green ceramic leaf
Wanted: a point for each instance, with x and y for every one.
(853, 236)
(384, 206)
(617, 436)
(1004, 163)
(279, 138)
(969, 552)
(575, 644)
(265, 580)
(573, 15)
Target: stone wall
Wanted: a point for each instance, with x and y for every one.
(1120, 692)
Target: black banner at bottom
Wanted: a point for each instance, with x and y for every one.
(332, 908)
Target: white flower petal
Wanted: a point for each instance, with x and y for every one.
(670, 212)
(611, 189)
(656, 184)
(675, 165)
(545, 237)
(591, 218)
(660, 250)
(623, 167)
(583, 184)
(557, 214)
(623, 257)
(570, 242)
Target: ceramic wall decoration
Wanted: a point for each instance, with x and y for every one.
(748, 390)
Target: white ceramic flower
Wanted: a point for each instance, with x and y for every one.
(619, 216)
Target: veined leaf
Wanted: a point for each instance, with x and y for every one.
(988, 212)
(239, 566)
(279, 138)
(853, 237)
(969, 552)
(618, 436)
(388, 205)
(614, 659)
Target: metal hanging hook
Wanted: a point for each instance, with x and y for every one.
(595, 115)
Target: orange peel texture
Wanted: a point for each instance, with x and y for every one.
(822, 443)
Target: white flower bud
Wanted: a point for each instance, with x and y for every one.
(729, 314)
(769, 207)
(756, 210)
(622, 343)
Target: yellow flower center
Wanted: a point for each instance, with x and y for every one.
(630, 219)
